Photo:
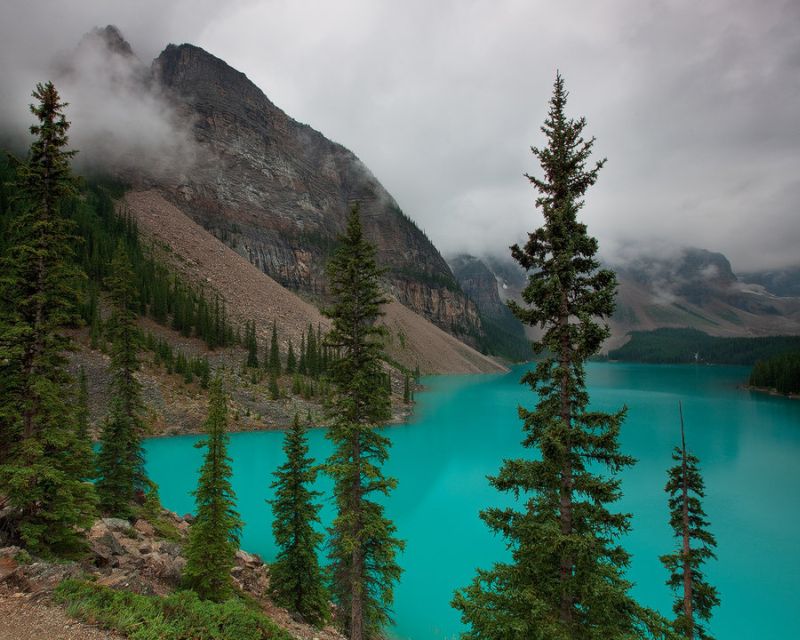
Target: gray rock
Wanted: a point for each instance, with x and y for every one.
(117, 524)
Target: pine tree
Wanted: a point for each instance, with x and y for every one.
(120, 462)
(274, 389)
(291, 361)
(82, 425)
(407, 389)
(301, 367)
(363, 546)
(312, 361)
(295, 577)
(214, 535)
(696, 597)
(41, 451)
(251, 343)
(565, 578)
(274, 353)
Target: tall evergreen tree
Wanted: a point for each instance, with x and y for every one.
(214, 535)
(363, 545)
(565, 578)
(695, 597)
(312, 363)
(295, 577)
(251, 344)
(41, 451)
(82, 425)
(120, 462)
(291, 361)
(274, 353)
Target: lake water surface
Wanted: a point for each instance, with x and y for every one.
(748, 445)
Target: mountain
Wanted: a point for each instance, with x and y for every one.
(203, 259)
(505, 335)
(698, 288)
(779, 282)
(277, 192)
(692, 288)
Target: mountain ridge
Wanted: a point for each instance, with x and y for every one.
(277, 192)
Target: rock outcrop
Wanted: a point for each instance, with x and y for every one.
(278, 192)
(505, 334)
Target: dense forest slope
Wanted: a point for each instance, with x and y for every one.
(680, 346)
(250, 294)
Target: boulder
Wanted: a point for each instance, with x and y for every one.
(144, 527)
(117, 525)
(164, 567)
(172, 549)
(248, 559)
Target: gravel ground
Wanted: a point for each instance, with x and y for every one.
(26, 617)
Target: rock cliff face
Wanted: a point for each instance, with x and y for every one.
(505, 334)
(278, 192)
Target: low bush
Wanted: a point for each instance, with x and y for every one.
(179, 616)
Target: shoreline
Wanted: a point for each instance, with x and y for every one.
(770, 391)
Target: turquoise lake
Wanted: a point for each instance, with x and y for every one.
(748, 445)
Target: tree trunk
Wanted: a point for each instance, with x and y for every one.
(357, 556)
(687, 565)
(567, 561)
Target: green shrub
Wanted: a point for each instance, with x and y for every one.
(179, 616)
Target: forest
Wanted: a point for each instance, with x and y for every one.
(684, 346)
(780, 372)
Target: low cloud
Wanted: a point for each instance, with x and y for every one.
(694, 104)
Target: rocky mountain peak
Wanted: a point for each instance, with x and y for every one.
(278, 192)
(109, 38)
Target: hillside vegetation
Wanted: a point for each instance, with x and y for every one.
(677, 346)
(781, 373)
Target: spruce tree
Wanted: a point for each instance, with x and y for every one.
(274, 353)
(312, 360)
(407, 389)
(274, 389)
(82, 425)
(301, 367)
(695, 597)
(291, 361)
(42, 454)
(565, 576)
(295, 577)
(363, 546)
(251, 343)
(214, 535)
(120, 462)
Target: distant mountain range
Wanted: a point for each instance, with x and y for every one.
(693, 288)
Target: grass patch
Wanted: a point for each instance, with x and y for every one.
(179, 616)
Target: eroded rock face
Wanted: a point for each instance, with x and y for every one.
(134, 557)
(278, 192)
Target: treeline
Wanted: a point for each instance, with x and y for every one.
(781, 373)
(678, 346)
(97, 229)
(506, 338)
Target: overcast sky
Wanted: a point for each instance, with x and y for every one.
(696, 105)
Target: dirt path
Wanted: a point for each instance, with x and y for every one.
(26, 617)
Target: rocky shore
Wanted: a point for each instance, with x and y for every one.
(124, 556)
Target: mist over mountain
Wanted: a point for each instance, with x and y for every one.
(687, 287)
(275, 190)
